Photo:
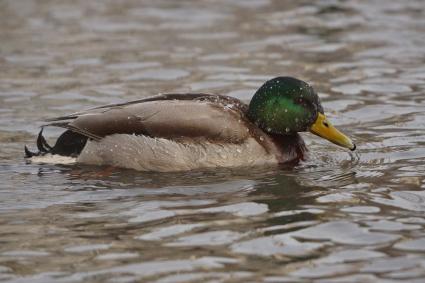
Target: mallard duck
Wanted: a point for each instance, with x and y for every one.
(174, 132)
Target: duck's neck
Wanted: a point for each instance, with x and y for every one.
(291, 148)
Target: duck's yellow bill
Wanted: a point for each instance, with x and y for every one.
(323, 128)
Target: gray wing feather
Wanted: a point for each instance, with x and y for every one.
(173, 116)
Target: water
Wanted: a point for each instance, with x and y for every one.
(338, 217)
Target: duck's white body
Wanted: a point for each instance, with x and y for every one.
(162, 155)
(158, 154)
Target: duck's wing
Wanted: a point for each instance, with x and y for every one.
(172, 116)
(159, 97)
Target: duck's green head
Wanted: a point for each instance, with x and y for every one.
(286, 105)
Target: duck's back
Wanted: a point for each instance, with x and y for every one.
(171, 119)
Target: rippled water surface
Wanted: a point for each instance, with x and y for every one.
(338, 217)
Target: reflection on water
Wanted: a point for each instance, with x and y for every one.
(337, 217)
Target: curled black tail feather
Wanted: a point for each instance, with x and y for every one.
(68, 144)
(42, 145)
(29, 154)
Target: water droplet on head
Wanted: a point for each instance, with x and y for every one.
(287, 129)
(286, 110)
(261, 138)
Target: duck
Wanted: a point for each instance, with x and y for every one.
(189, 131)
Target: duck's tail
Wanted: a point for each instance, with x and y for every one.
(68, 144)
(42, 146)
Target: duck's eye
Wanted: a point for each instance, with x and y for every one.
(326, 124)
